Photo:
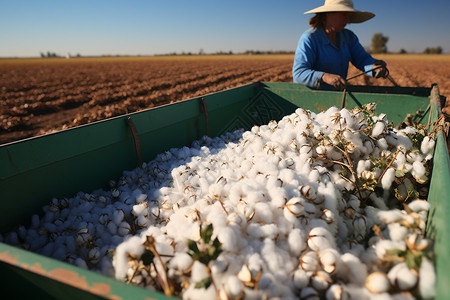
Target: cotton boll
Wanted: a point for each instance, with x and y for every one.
(419, 205)
(329, 192)
(263, 213)
(427, 145)
(277, 194)
(377, 283)
(383, 246)
(229, 238)
(321, 280)
(140, 209)
(300, 279)
(337, 292)
(363, 165)
(309, 261)
(402, 277)
(356, 271)
(181, 262)
(378, 129)
(319, 239)
(382, 144)
(293, 208)
(79, 262)
(269, 231)
(388, 178)
(93, 255)
(12, 238)
(397, 232)
(378, 202)
(278, 260)
(418, 169)
(296, 241)
(234, 287)
(216, 215)
(193, 293)
(118, 216)
(309, 293)
(142, 222)
(329, 260)
(390, 216)
(400, 141)
(411, 157)
(134, 246)
(427, 279)
(123, 229)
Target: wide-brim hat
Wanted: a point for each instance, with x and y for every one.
(343, 5)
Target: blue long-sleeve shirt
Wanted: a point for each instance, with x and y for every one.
(316, 55)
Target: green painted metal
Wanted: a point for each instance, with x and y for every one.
(26, 275)
(85, 158)
(439, 199)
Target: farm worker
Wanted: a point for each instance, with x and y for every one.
(325, 50)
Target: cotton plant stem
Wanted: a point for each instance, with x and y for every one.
(167, 283)
(353, 173)
(133, 275)
(208, 270)
(350, 167)
(168, 288)
(384, 172)
(221, 204)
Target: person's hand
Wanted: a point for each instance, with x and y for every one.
(381, 72)
(335, 80)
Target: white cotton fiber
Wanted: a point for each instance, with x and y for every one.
(419, 205)
(397, 232)
(357, 271)
(388, 179)
(283, 207)
(418, 169)
(229, 238)
(300, 279)
(427, 145)
(363, 165)
(296, 241)
(390, 216)
(133, 246)
(181, 261)
(427, 279)
(378, 129)
(382, 143)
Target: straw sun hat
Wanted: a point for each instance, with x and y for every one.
(343, 5)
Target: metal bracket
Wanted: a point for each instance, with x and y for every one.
(204, 109)
(137, 143)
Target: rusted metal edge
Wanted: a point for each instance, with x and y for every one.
(137, 143)
(204, 109)
(65, 276)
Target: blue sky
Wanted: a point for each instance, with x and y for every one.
(137, 27)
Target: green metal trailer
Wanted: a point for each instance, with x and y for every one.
(85, 158)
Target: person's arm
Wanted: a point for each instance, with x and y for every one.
(305, 61)
(305, 56)
(363, 60)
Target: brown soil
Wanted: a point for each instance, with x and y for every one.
(40, 96)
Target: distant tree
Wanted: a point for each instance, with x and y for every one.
(436, 50)
(402, 51)
(379, 42)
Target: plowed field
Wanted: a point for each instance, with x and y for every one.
(39, 96)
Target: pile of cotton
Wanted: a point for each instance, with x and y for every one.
(315, 206)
